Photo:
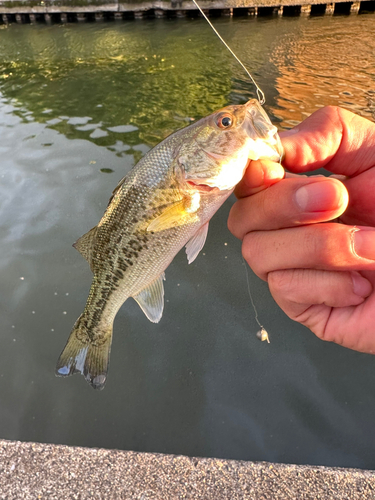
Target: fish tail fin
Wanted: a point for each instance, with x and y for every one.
(86, 354)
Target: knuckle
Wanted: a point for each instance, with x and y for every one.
(293, 285)
(282, 281)
(325, 244)
(332, 110)
(252, 253)
(328, 114)
(237, 220)
(270, 208)
(232, 222)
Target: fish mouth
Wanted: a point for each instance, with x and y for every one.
(202, 186)
(260, 129)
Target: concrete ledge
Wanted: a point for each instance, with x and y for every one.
(33, 470)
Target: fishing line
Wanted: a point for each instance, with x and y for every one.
(262, 334)
(259, 91)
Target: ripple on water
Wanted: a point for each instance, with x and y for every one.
(322, 56)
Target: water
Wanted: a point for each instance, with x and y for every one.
(79, 105)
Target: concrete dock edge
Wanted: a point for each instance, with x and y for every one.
(47, 471)
(62, 11)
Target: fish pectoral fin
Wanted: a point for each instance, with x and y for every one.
(84, 244)
(177, 214)
(151, 299)
(196, 243)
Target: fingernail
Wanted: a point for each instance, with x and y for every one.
(361, 286)
(320, 197)
(364, 243)
(274, 171)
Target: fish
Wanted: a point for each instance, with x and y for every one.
(163, 204)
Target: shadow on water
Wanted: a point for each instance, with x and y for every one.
(80, 105)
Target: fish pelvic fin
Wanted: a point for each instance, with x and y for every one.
(196, 243)
(86, 354)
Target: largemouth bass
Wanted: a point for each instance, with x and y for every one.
(163, 204)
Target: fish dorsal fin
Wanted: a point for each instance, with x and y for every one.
(151, 299)
(196, 243)
(177, 214)
(84, 244)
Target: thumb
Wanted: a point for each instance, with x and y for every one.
(331, 138)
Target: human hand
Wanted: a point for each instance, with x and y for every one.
(322, 274)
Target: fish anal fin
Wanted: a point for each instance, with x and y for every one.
(85, 243)
(88, 355)
(151, 299)
(177, 214)
(196, 243)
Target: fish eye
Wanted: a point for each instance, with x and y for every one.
(224, 121)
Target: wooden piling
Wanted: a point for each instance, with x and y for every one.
(20, 18)
(305, 10)
(81, 17)
(227, 12)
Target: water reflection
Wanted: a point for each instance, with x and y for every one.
(147, 77)
(80, 101)
(320, 65)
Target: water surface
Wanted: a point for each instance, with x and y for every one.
(79, 105)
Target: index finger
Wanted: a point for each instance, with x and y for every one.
(331, 138)
(259, 175)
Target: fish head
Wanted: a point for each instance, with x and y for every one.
(225, 141)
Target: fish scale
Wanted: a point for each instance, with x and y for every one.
(163, 204)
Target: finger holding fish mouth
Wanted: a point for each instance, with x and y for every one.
(259, 175)
(320, 272)
(305, 200)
